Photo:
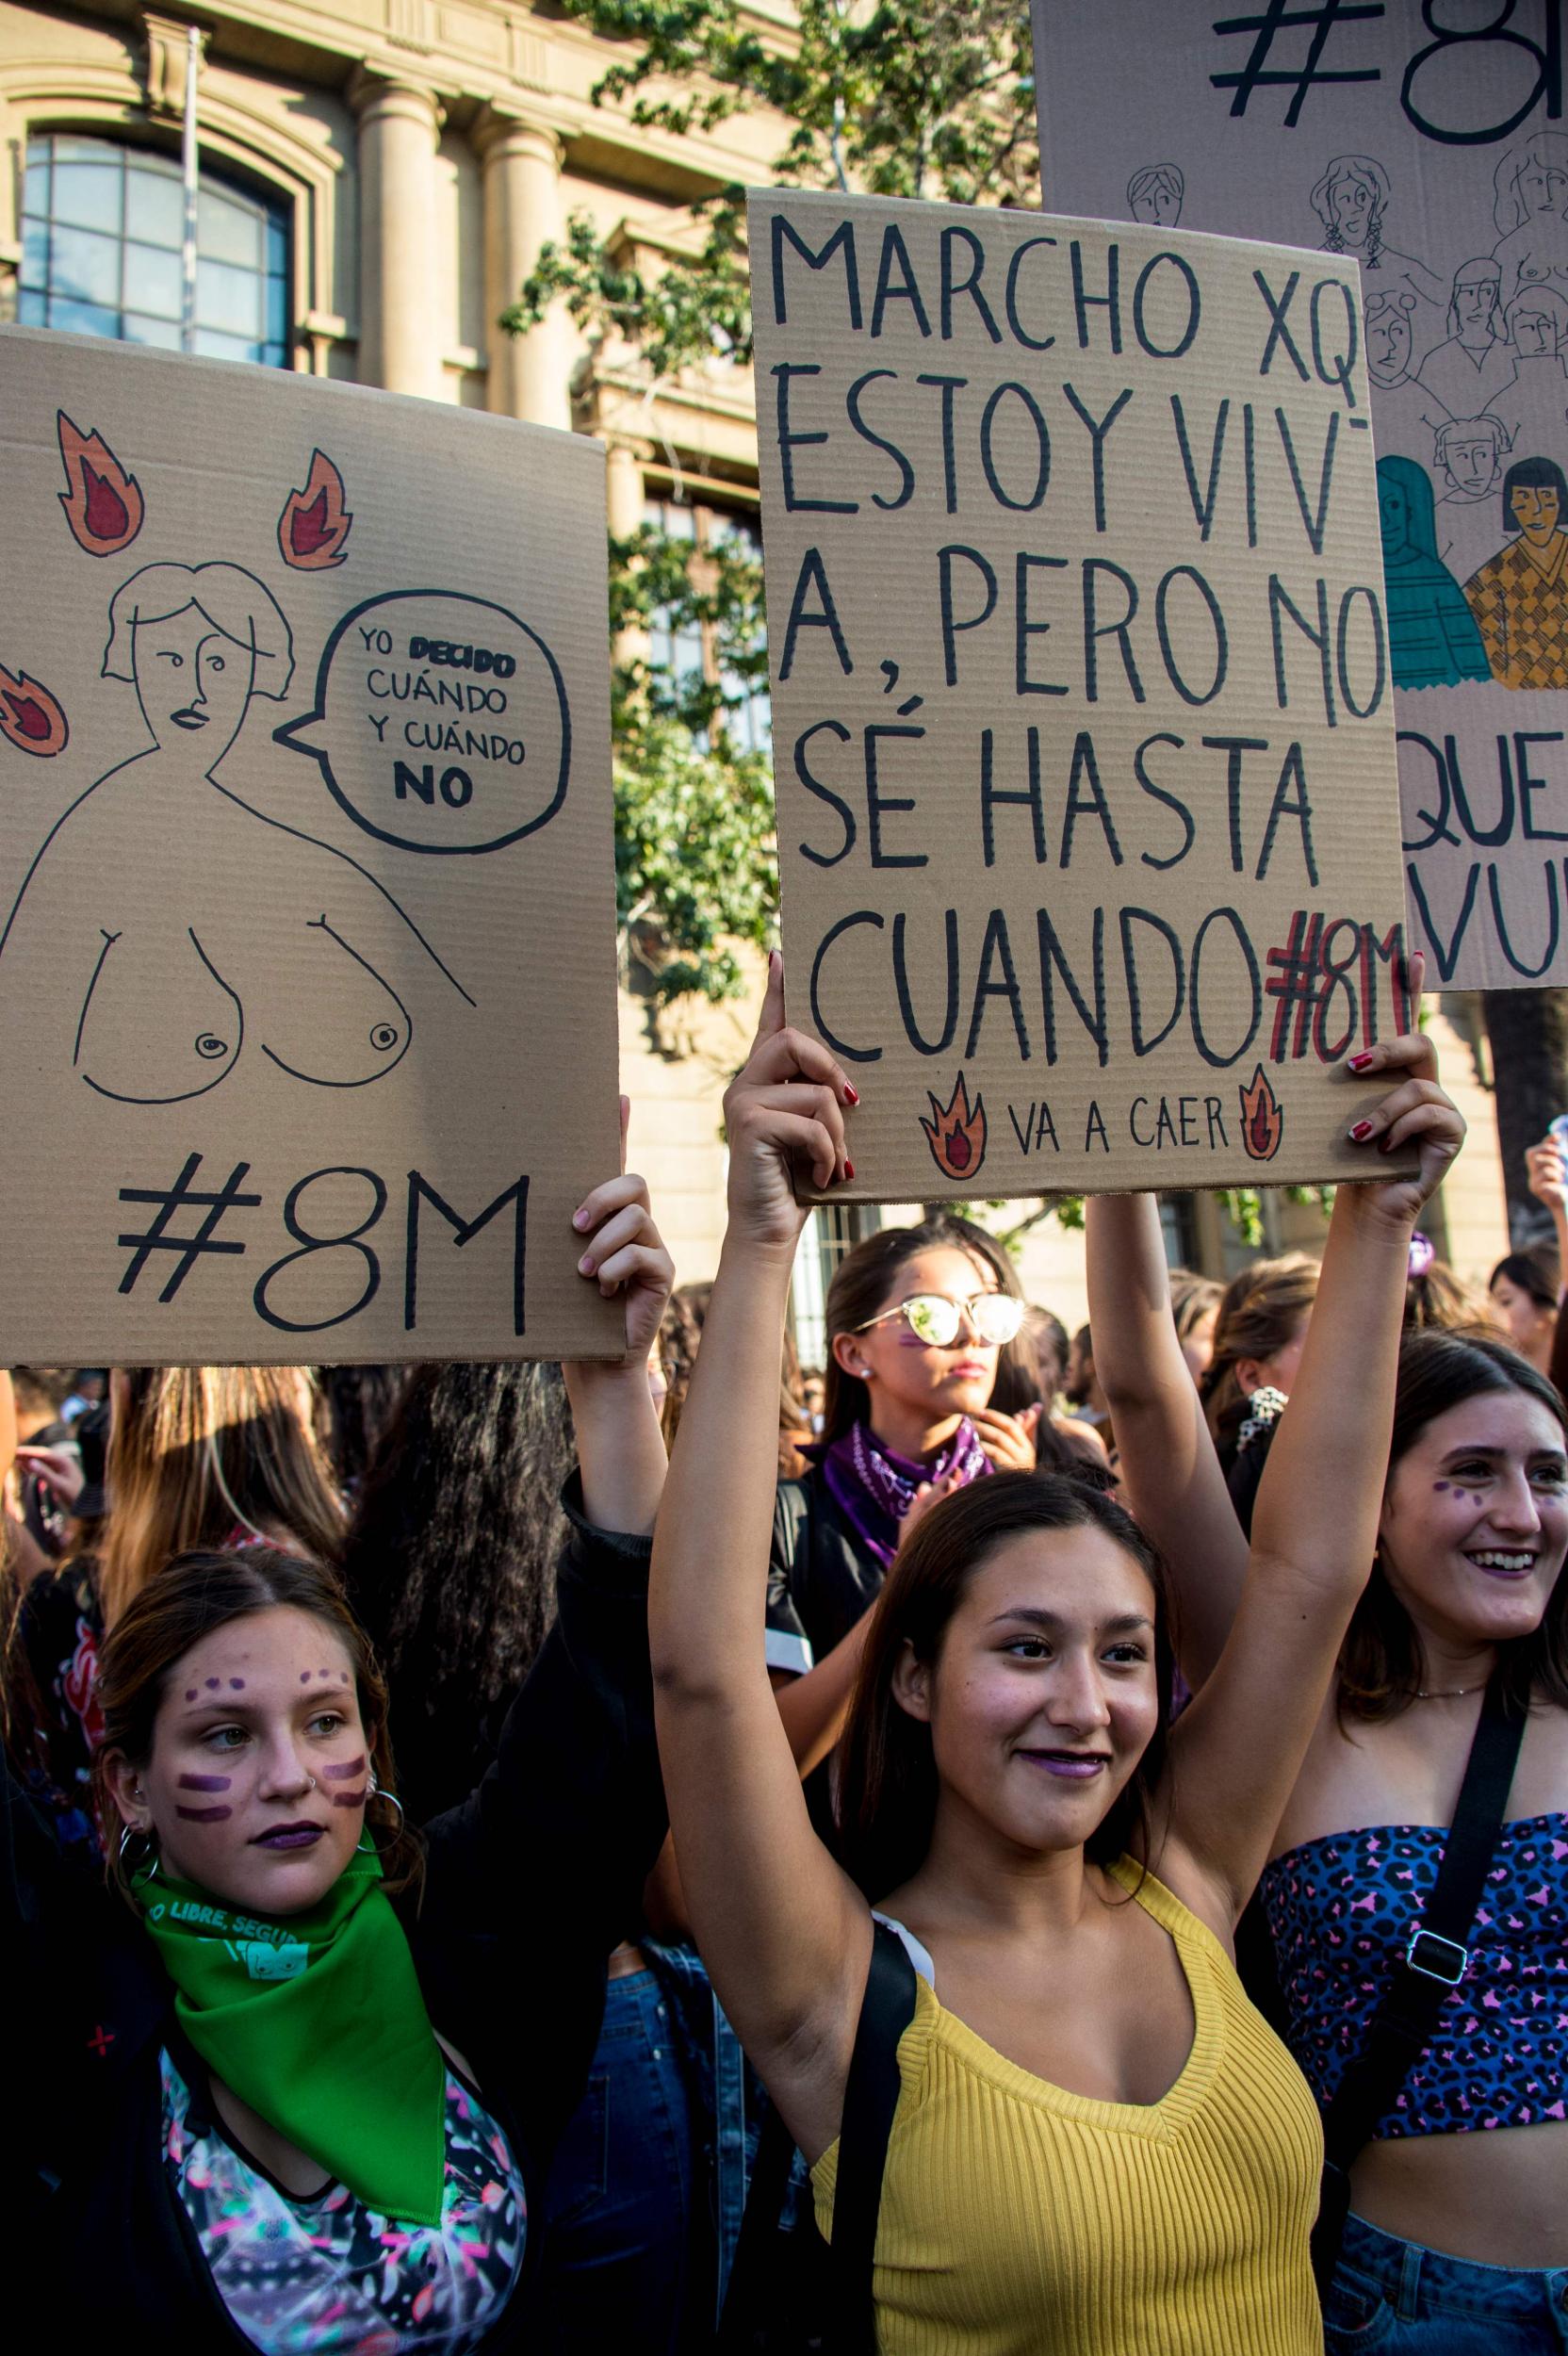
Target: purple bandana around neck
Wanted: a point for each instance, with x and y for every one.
(874, 1488)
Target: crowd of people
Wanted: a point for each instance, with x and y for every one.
(959, 1850)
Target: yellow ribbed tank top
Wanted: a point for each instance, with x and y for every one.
(1020, 2221)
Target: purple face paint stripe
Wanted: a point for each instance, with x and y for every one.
(1440, 1488)
(350, 1799)
(205, 1815)
(342, 1774)
(203, 1783)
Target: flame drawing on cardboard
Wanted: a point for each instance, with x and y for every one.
(102, 503)
(29, 717)
(314, 527)
(161, 998)
(956, 1132)
(1263, 1122)
(308, 916)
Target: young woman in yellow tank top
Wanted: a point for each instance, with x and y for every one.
(1099, 2147)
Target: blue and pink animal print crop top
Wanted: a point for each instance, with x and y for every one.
(1341, 1911)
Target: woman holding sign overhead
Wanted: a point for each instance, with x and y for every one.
(296, 2084)
(1430, 2014)
(1096, 2144)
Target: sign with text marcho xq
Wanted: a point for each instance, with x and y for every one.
(1083, 723)
(307, 1006)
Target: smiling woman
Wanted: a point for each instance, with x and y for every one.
(1096, 2144)
(339, 2055)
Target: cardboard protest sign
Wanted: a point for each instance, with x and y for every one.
(1429, 146)
(308, 1005)
(1082, 724)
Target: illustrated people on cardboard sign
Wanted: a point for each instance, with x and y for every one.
(1476, 361)
(1533, 402)
(262, 934)
(1432, 637)
(1471, 452)
(1520, 595)
(1351, 200)
(1154, 195)
(1530, 210)
(1407, 416)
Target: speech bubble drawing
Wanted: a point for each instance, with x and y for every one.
(440, 722)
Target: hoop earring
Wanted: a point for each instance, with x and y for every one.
(144, 1868)
(375, 1793)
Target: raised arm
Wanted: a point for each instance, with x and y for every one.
(1169, 1470)
(620, 1446)
(1236, 1753)
(784, 1935)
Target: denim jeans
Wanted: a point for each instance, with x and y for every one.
(617, 2207)
(1392, 2298)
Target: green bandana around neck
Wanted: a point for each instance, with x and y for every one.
(316, 2020)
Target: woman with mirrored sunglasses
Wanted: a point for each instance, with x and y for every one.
(918, 1319)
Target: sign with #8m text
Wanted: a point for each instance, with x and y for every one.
(1083, 722)
(307, 1003)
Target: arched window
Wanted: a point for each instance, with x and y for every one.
(103, 225)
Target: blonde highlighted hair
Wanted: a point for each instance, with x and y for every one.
(200, 1454)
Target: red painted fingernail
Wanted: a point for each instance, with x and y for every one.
(1385, 1145)
(852, 1096)
(1359, 1063)
(1362, 1131)
(849, 1168)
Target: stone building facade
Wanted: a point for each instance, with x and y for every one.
(377, 179)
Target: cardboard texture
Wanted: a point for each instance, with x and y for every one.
(1082, 730)
(307, 1003)
(1427, 143)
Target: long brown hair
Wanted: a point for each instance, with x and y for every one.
(197, 1592)
(1258, 1314)
(200, 1450)
(887, 1798)
(860, 1285)
(1380, 1662)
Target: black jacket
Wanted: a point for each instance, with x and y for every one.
(528, 1887)
(822, 1576)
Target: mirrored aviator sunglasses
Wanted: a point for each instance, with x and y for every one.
(933, 1319)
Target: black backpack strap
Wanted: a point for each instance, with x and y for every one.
(871, 2098)
(1435, 1961)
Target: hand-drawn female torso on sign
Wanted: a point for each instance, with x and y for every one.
(295, 946)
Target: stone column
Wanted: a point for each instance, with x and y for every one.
(398, 341)
(623, 475)
(529, 375)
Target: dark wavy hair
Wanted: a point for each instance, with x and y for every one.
(886, 1797)
(354, 1406)
(862, 1282)
(450, 1558)
(210, 1587)
(1380, 1662)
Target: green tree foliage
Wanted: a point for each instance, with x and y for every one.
(919, 98)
